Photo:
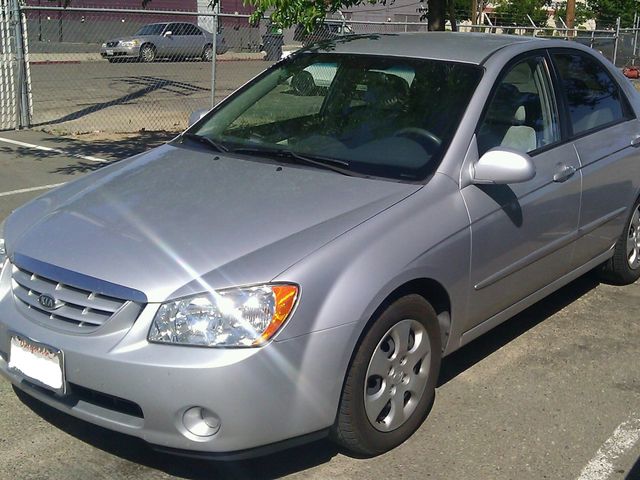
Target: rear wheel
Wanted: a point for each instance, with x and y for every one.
(390, 385)
(147, 53)
(624, 267)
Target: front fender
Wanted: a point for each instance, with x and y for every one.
(425, 236)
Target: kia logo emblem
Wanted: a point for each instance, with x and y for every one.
(47, 301)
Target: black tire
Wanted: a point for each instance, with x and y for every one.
(353, 429)
(303, 84)
(147, 53)
(207, 53)
(624, 267)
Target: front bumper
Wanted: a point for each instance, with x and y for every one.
(120, 52)
(118, 380)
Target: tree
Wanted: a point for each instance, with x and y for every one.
(607, 11)
(582, 13)
(309, 13)
(515, 12)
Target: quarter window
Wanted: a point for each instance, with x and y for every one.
(593, 97)
(522, 113)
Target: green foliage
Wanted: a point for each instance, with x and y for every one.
(516, 11)
(462, 9)
(606, 11)
(583, 13)
(287, 13)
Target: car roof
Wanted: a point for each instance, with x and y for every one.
(453, 46)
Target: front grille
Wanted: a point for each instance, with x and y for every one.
(81, 309)
(112, 44)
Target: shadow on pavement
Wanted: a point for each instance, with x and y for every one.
(114, 147)
(307, 456)
(463, 359)
(146, 84)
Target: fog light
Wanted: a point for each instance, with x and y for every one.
(201, 422)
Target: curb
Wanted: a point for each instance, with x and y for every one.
(76, 58)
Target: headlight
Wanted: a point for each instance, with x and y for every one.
(129, 43)
(238, 317)
(104, 45)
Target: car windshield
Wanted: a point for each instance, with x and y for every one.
(381, 116)
(153, 29)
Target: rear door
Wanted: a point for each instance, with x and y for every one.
(606, 136)
(194, 40)
(522, 233)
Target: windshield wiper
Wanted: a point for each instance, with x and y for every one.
(205, 140)
(333, 164)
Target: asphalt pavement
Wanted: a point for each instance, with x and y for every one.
(553, 393)
(73, 95)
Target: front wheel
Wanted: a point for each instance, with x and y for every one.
(390, 385)
(147, 53)
(624, 267)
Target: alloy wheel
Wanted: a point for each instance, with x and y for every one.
(147, 54)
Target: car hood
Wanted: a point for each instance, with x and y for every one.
(176, 220)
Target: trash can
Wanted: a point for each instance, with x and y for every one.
(273, 45)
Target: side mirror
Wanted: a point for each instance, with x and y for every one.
(168, 34)
(197, 115)
(503, 165)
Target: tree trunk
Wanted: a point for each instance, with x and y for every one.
(452, 16)
(436, 14)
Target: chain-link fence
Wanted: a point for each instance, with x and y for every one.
(128, 70)
(117, 70)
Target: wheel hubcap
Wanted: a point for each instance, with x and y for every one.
(147, 54)
(397, 375)
(633, 241)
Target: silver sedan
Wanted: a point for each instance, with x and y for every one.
(299, 261)
(163, 40)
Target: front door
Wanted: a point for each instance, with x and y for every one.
(522, 234)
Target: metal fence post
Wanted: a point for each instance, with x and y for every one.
(23, 116)
(216, 12)
(636, 24)
(615, 46)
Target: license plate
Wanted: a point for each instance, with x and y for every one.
(109, 52)
(38, 363)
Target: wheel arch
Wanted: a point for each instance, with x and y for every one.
(431, 290)
(428, 288)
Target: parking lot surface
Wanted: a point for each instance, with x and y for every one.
(553, 393)
(83, 96)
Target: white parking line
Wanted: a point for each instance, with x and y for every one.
(31, 189)
(52, 150)
(623, 439)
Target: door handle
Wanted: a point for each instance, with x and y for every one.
(564, 174)
(635, 141)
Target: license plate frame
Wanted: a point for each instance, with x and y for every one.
(26, 355)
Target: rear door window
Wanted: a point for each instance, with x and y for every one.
(593, 98)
